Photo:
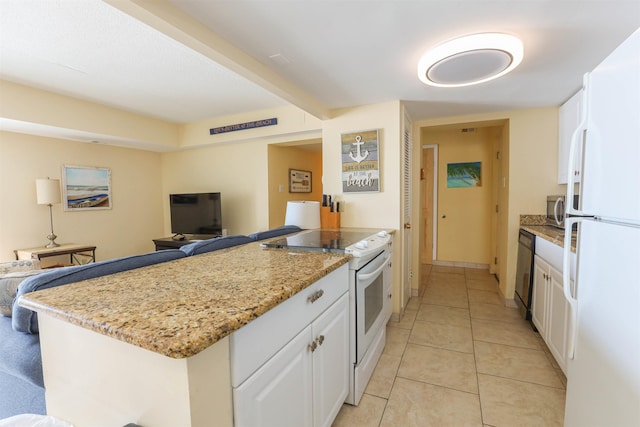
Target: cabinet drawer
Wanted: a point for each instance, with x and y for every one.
(253, 344)
(553, 254)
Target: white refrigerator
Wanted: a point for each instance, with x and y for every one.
(603, 368)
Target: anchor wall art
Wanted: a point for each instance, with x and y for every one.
(360, 162)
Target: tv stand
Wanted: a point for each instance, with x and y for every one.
(170, 242)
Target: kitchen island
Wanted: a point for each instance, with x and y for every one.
(153, 345)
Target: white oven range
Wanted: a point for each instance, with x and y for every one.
(370, 293)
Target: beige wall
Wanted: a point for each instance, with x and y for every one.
(529, 176)
(293, 125)
(238, 171)
(281, 159)
(380, 209)
(374, 210)
(464, 214)
(85, 119)
(128, 228)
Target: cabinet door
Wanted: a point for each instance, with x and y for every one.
(558, 319)
(331, 362)
(280, 392)
(539, 296)
(568, 120)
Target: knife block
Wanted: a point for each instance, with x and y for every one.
(324, 216)
(329, 219)
(334, 220)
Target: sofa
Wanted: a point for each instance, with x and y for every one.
(21, 381)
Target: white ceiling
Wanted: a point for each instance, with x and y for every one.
(330, 54)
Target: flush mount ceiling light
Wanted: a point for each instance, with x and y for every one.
(470, 60)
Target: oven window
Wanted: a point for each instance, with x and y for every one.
(372, 302)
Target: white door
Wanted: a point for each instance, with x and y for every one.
(280, 392)
(405, 294)
(331, 362)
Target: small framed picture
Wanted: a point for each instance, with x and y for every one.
(299, 181)
(86, 188)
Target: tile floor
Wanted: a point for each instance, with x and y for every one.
(459, 357)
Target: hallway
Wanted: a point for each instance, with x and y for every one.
(459, 357)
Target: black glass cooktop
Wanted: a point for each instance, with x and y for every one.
(319, 240)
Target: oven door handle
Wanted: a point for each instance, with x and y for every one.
(366, 276)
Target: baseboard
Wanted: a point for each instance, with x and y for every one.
(461, 264)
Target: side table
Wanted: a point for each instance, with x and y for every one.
(78, 254)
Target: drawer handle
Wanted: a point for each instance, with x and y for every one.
(315, 296)
(312, 347)
(320, 339)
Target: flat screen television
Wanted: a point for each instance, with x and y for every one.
(196, 213)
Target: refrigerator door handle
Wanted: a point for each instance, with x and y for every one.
(579, 136)
(566, 285)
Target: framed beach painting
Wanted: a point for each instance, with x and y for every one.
(464, 175)
(86, 188)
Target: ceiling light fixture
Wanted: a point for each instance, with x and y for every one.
(470, 60)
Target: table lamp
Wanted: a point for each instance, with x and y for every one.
(304, 214)
(48, 193)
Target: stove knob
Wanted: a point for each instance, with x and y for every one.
(382, 233)
(362, 244)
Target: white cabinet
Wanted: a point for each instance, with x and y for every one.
(330, 362)
(568, 120)
(539, 294)
(550, 311)
(558, 316)
(301, 379)
(279, 393)
(306, 382)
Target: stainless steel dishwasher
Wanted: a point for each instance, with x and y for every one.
(524, 273)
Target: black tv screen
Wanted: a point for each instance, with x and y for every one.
(196, 213)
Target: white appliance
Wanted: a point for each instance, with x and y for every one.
(603, 376)
(370, 293)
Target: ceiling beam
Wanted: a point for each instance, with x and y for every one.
(176, 24)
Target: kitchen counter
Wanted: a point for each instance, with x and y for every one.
(180, 308)
(536, 224)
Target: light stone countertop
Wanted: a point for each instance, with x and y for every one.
(179, 308)
(547, 232)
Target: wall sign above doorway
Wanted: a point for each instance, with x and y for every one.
(242, 126)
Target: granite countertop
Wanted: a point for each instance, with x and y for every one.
(179, 308)
(535, 224)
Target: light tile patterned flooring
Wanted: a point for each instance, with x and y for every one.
(459, 357)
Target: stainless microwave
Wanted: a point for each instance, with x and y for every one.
(556, 208)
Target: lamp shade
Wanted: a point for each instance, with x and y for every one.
(304, 214)
(48, 191)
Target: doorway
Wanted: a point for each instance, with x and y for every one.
(459, 226)
(303, 155)
(429, 192)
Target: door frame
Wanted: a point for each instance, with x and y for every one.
(435, 198)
